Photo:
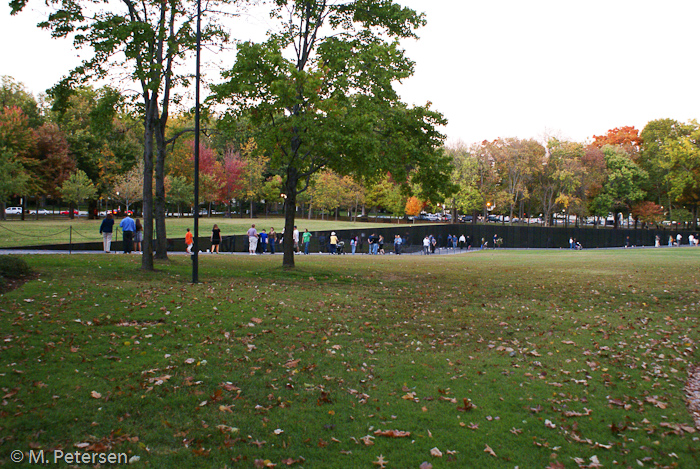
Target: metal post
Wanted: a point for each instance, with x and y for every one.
(70, 240)
(195, 255)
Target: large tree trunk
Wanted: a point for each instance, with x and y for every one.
(147, 248)
(159, 202)
(290, 207)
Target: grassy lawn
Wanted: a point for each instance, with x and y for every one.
(493, 359)
(16, 233)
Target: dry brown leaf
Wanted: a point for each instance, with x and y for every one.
(393, 433)
(367, 440)
(436, 453)
(489, 450)
(95, 394)
(381, 462)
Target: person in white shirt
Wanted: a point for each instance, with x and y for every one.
(295, 236)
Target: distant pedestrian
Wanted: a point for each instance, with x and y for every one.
(372, 244)
(189, 241)
(263, 241)
(295, 236)
(272, 239)
(306, 239)
(215, 239)
(657, 241)
(571, 243)
(380, 241)
(462, 242)
(128, 227)
(495, 237)
(679, 238)
(138, 235)
(252, 240)
(426, 245)
(353, 244)
(333, 243)
(106, 228)
(397, 244)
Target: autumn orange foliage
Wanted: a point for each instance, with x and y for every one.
(627, 137)
(413, 206)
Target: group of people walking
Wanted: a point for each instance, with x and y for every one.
(132, 233)
(430, 243)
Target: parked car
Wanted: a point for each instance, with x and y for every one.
(13, 210)
(466, 219)
(67, 212)
(41, 211)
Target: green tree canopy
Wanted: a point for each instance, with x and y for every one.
(145, 41)
(77, 188)
(319, 95)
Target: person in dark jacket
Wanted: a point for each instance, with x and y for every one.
(106, 229)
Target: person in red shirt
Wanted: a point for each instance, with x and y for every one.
(189, 241)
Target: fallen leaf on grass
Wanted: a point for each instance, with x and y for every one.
(290, 461)
(656, 402)
(678, 427)
(393, 433)
(95, 394)
(489, 450)
(227, 429)
(425, 465)
(381, 462)
(436, 453)
(467, 406)
(259, 463)
(585, 412)
(367, 440)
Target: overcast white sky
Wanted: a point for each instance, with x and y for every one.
(508, 68)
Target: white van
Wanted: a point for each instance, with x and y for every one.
(13, 211)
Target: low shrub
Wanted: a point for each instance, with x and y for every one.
(13, 267)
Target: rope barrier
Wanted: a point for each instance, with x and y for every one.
(93, 236)
(34, 235)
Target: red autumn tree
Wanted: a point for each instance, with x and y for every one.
(233, 171)
(648, 212)
(54, 161)
(626, 137)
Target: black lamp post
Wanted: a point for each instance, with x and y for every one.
(195, 255)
